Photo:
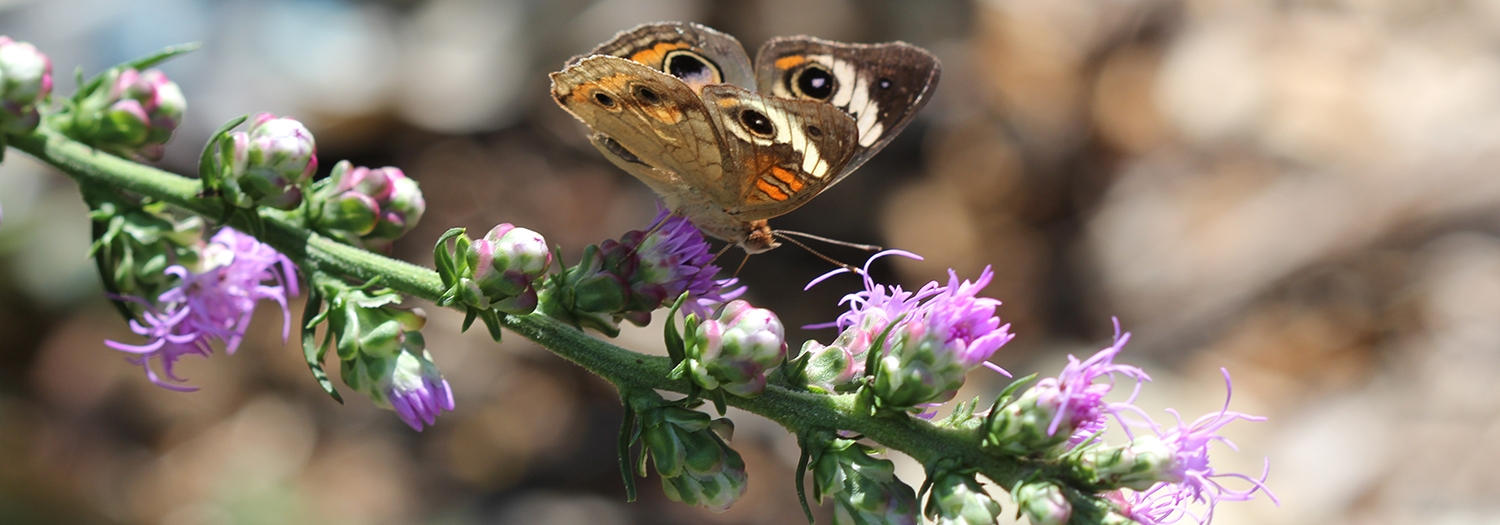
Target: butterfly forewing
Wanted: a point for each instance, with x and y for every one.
(782, 151)
(696, 54)
(880, 86)
(644, 121)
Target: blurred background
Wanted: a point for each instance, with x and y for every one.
(1300, 191)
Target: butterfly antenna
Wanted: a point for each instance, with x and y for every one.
(835, 242)
(831, 260)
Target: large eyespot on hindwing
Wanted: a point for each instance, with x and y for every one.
(692, 68)
(812, 81)
(757, 123)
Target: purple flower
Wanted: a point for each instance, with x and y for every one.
(1081, 405)
(417, 390)
(944, 331)
(214, 303)
(675, 256)
(1187, 478)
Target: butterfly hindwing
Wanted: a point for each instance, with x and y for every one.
(880, 86)
(693, 53)
(781, 152)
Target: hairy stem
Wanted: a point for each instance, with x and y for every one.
(797, 411)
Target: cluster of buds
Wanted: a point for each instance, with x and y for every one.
(733, 350)
(627, 279)
(382, 353)
(912, 348)
(129, 113)
(367, 207)
(865, 489)
(269, 164)
(25, 83)
(696, 466)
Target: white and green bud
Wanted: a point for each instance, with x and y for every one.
(918, 369)
(865, 489)
(368, 207)
(696, 466)
(1043, 503)
(734, 350)
(133, 114)
(1137, 465)
(834, 368)
(1022, 426)
(25, 83)
(958, 499)
(506, 264)
(271, 163)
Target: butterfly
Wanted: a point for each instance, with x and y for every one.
(727, 145)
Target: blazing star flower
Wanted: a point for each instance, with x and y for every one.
(1177, 459)
(943, 332)
(675, 256)
(214, 303)
(1069, 407)
(629, 278)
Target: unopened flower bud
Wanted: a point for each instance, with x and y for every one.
(735, 350)
(25, 82)
(506, 262)
(1043, 503)
(958, 499)
(864, 489)
(1137, 465)
(140, 110)
(696, 466)
(407, 382)
(271, 162)
(368, 207)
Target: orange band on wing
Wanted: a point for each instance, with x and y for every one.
(770, 190)
(790, 61)
(653, 57)
(786, 177)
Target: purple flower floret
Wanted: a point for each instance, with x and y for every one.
(214, 303)
(1082, 405)
(1189, 479)
(675, 256)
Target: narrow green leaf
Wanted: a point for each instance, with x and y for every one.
(206, 171)
(801, 483)
(138, 63)
(311, 350)
(676, 348)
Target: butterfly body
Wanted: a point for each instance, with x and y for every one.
(672, 104)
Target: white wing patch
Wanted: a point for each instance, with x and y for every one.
(853, 97)
(786, 133)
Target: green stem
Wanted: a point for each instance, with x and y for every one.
(797, 411)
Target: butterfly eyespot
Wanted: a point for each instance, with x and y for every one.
(884, 83)
(814, 132)
(691, 68)
(757, 122)
(815, 82)
(647, 95)
(604, 100)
